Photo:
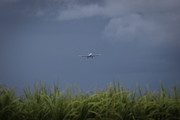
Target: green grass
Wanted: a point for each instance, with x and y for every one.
(115, 102)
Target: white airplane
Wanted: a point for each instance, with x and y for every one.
(90, 55)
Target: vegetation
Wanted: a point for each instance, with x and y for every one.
(113, 103)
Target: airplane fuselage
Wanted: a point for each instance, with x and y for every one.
(90, 55)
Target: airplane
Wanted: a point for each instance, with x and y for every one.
(90, 55)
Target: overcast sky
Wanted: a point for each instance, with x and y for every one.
(139, 41)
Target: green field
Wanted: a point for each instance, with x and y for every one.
(115, 102)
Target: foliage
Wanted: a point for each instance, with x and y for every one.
(113, 103)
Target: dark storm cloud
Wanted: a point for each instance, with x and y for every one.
(53, 7)
(155, 23)
(150, 21)
(48, 8)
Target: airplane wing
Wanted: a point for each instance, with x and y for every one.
(83, 55)
(96, 54)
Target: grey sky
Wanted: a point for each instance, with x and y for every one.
(139, 41)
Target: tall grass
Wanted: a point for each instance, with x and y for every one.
(115, 102)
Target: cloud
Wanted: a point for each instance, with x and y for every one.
(115, 8)
(133, 27)
(77, 11)
(153, 21)
(129, 20)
